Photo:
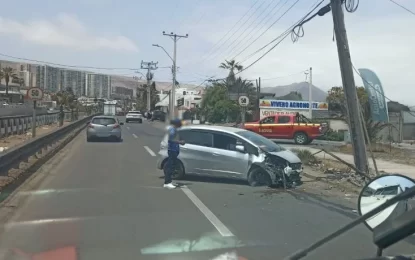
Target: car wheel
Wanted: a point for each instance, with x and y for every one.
(300, 138)
(258, 177)
(179, 172)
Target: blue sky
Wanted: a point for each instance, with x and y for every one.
(107, 33)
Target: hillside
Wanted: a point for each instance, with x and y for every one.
(302, 87)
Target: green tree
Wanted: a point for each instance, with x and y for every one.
(8, 74)
(337, 102)
(231, 65)
(216, 106)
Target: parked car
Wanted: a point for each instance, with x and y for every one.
(299, 128)
(134, 116)
(159, 115)
(104, 127)
(230, 152)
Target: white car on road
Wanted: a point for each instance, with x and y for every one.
(134, 116)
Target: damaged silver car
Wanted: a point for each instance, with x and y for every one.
(229, 152)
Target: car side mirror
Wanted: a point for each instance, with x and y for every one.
(121, 123)
(87, 123)
(240, 148)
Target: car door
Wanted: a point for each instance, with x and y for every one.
(227, 161)
(266, 126)
(196, 154)
(284, 127)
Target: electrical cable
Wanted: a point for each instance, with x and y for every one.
(281, 37)
(403, 7)
(255, 29)
(249, 18)
(230, 30)
(351, 5)
(298, 30)
(286, 31)
(64, 65)
(266, 30)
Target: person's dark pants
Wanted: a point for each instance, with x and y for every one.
(171, 166)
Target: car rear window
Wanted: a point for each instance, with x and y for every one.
(103, 121)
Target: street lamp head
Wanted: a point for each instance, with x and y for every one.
(187, 35)
(156, 45)
(164, 32)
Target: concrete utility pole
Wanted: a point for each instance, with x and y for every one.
(310, 93)
(172, 101)
(349, 87)
(149, 66)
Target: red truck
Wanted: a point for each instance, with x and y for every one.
(296, 127)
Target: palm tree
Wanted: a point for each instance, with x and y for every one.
(231, 65)
(8, 73)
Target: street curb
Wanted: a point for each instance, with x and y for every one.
(34, 179)
(338, 185)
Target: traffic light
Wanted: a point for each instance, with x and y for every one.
(180, 102)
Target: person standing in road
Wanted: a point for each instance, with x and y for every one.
(173, 152)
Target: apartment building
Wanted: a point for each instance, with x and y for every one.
(97, 85)
(74, 79)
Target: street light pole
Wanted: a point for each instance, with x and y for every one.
(172, 102)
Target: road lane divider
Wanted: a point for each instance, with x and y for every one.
(20, 162)
(148, 149)
(220, 227)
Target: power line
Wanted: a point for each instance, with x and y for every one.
(281, 37)
(250, 26)
(266, 30)
(403, 7)
(64, 65)
(230, 30)
(285, 32)
(240, 27)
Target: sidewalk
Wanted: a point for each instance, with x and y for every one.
(386, 166)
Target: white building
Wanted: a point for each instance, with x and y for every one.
(192, 98)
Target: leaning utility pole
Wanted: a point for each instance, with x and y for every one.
(149, 66)
(172, 101)
(349, 88)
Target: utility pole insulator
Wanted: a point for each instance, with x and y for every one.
(349, 88)
(149, 66)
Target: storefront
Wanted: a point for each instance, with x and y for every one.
(270, 107)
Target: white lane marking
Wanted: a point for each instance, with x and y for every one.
(149, 151)
(220, 227)
(135, 136)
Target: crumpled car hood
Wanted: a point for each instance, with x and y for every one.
(287, 155)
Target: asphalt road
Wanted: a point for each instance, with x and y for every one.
(105, 201)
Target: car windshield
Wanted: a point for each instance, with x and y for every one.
(103, 121)
(262, 142)
(391, 190)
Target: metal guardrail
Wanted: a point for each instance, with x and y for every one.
(15, 125)
(22, 152)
